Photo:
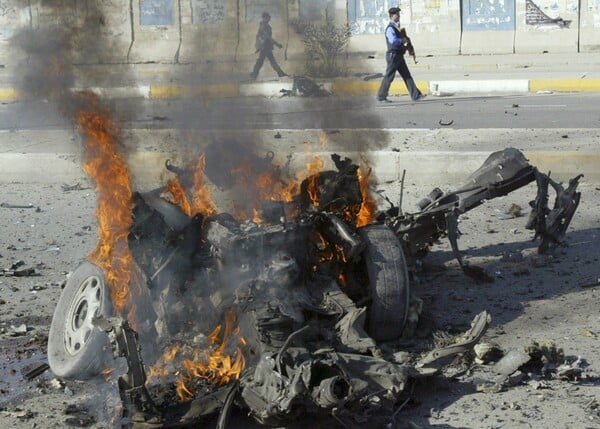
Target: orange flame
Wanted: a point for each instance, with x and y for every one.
(314, 167)
(108, 170)
(201, 201)
(368, 206)
(341, 255)
(261, 186)
(322, 139)
(183, 392)
(159, 369)
(256, 218)
(178, 196)
(107, 373)
(215, 366)
(272, 187)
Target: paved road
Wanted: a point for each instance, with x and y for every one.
(436, 141)
(559, 110)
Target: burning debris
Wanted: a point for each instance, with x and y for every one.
(295, 303)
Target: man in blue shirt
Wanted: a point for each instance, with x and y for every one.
(396, 47)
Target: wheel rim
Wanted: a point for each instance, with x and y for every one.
(84, 307)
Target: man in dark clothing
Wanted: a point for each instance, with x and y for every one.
(264, 45)
(396, 47)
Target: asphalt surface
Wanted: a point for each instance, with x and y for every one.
(166, 110)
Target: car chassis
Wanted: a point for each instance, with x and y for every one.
(314, 341)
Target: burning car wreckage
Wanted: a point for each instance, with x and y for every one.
(311, 306)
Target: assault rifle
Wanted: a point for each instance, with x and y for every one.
(409, 46)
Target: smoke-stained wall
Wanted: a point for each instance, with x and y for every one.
(219, 34)
(106, 23)
(12, 16)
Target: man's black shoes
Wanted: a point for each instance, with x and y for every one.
(384, 100)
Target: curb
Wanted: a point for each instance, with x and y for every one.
(338, 87)
(426, 167)
(54, 156)
(8, 95)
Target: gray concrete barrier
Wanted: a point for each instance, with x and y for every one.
(223, 31)
(441, 157)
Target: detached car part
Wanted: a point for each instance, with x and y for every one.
(387, 281)
(501, 173)
(76, 348)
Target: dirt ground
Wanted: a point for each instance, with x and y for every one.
(533, 298)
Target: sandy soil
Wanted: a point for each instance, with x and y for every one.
(532, 298)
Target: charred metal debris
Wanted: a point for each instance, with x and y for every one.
(322, 305)
(305, 87)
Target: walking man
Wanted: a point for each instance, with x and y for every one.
(396, 47)
(264, 45)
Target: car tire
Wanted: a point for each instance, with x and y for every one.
(76, 348)
(387, 281)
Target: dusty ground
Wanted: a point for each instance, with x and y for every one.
(532, 298)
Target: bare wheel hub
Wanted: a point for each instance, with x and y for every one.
(84, 307)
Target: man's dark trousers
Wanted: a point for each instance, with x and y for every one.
(267, 53)
(395, 62)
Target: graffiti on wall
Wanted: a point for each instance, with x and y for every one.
(208, 11)
(486, 15)
(8, 16)
(535, 16)
(255, 9)
(316, 10)
(156, 12)
(369, 16)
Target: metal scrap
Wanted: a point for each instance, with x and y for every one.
(462, 343)
(14, 271)
(16, 206)
(75, 187)
(36, 370)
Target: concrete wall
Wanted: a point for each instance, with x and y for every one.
(520, 26)
(547, 26)
(156, 33)
(206, 29)
(432, 25)
(219, 34)
(12, 18)
(589, 26)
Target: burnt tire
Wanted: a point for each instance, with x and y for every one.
(387, 281)
(76, 348)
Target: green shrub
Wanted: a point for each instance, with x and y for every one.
(323, 46)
